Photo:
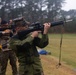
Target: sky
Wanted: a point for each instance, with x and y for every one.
(70, 4)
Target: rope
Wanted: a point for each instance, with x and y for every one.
(60, 53)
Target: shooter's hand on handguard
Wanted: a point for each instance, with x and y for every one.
(7, 31)
(46, 27)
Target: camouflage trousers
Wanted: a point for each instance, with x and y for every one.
(33, 68)
(0, 62)
(4, 57)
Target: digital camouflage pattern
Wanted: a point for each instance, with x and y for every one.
(7, 54)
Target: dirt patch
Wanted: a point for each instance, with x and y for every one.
(50, 66)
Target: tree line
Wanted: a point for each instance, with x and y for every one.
(37, 11)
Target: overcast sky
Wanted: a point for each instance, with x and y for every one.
(70, 4)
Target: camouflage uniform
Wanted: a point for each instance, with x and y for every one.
(26, 51)
(0, 60)
(7, 54)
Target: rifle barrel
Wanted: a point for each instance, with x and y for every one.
(57, 23)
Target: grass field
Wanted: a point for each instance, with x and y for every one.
(68, 48)
(68, 58)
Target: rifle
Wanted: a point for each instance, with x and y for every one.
(39, 26)
(2, 29)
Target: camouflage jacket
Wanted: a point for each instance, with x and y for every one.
(26, 48)
(4, 43)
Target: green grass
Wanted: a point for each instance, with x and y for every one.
(68, 48)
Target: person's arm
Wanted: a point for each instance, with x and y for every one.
(19, 42)
(43, 42)
(15, 42)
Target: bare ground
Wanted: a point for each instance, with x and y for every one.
(50, 66)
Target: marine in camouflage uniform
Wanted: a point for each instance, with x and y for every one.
(6, 54)
(26, 51)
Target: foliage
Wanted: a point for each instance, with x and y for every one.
(38, 11)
